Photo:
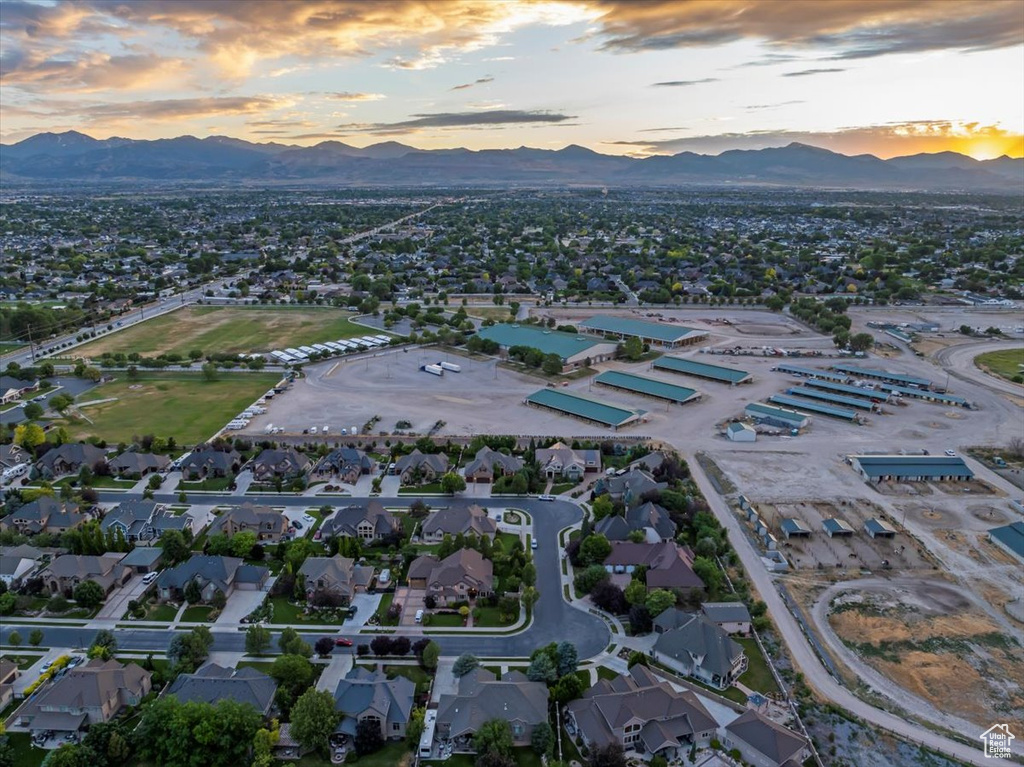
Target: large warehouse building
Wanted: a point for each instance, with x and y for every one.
(911, 468)
(1010, 538)
(575, 350)
(663, 334)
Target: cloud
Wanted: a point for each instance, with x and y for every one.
(492, 104)
(853, 28)
(808, 72)
(684, 83)
(496, 118)
(182, 109)
(42, 69)
(351, 96)
(757, 107)
(479, 81)
(884, 140)
(661, 130)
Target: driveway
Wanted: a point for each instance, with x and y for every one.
(117, 603)
(241, 603)
(341, 664)
(366, 605)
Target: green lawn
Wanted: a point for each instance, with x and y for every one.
(229, 329)
(432, 487)
(213, 483)
(757, 676)
(162, 612)
(487, 617)
(181, 405)
(23, 660)
(1005, 364)
(563, 487)
(112, 482)
(23, 752)
(603, 672)
(506, 541)
(445, 621)
(197, 613)
(382, 610)
(392, 755)
(286, 613)
(414, 674)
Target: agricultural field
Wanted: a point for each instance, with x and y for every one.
(229, 329)
(185, 406)
(1005, 364)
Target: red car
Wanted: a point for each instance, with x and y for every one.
(342, 642)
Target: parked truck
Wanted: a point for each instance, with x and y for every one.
(450, 366)
(436, 370)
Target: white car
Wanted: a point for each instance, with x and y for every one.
(308, 519)
(385, 576)
(951, 453)
(149, 577)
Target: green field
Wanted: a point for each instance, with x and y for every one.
(179, 405)
(230, 329)
(758, 676)
(1005, 364)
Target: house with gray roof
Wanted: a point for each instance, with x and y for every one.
(481, 696)
(137, 465)
(367, 523)
(212, 574)
(267, 524)
(694, 646)
(420, 468)
(211, 683)
(143, 520)
(764, 743)
(206, 462)
(642, 713)
(67, 571)
(18, 561)
(13, 455)
(369, 695)
(649, 518)
(489, 464)
(12, 388)
(731, 617)
(279, 463)
(669, 565)
(46, 514)
(464, 574)
(339, 576)
(562, 461)
(348, 464)
(94, 692)
(69, 458)
(629, 487)
(467, 520)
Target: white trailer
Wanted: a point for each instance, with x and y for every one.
(383, 339)
(322, 347)
(450, 366)
(269, 429)
(294, 352)
(336, 347)
(307, 350)
(436, 370)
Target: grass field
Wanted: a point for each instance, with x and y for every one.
(184, 406)
(1005, 364)
(757, 676)
(231, 329)
(23, 752)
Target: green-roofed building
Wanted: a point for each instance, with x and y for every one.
(665, 334)
(1010, 538)
(575, 350)
(911, 468)
(702, 370)
(584, 407)
(649, 387)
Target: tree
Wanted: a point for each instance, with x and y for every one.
(175, 547)
(636, 592)
(861, 342)
(193, 594)
(263, 745)
(452, 483)
(324, 646)
(493, 736)
(291, 643)
(14, 639)
(189, 651)
(542, 669)
(595, 549)
(659, 600)
(609, 597)
(133, 373)
(568, 658)
(381, 645)
(568, 688)
(33, 411)
(29, 435)
(601, 508)
(61, 402)
(104, 645)
(71, 755)
(586, 580)
(611, 755)
(368, 738)
(294, 675)
(35, 638)
(464, 664)
(209, 371)
(552, 364)
(179, 734)
(314, 719)
(88, 594)
(431, 654)
(633, 348)
(640, 619)
(242, 543)
(414, 729)
(542, 739)
(257, 639)
(708, 571)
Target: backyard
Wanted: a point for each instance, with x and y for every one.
(758, 676)
(187, 407)
(229, 329)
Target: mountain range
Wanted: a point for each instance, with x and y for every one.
(49, 158)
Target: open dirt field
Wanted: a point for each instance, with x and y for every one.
(233, 330)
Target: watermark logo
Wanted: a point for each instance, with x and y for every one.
(997, 740)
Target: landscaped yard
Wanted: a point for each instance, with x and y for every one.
(23, 660)
(162, 612)
(382, 610)
(229, 329)
(1006, 363)
(506, 541)
(488, 617)
(211, 483)
(445, 621)
(414, 674)
(431, 488)
(757, 676)
(197, 613)
(603, 672)
(563, 487)
(181, 405)
(287, 613)
(24, 753)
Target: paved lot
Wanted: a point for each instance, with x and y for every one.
(366, 605)
(241, 603)
(341, 664)
(117, 603)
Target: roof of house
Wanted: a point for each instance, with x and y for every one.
(460, 519)
(346, 521)
(649, 515)
(131, 514)
(84, 566)
(344, 457)
(668, 564)
(142, 556)
(209, 458)
(465, 565)
(12, 455)
(481, 697)
(698, 638)
(257, 518)
(436, 461)
(563, 455)
(139, 462)
(726, 612)
(220, 571)
(488, 459)
(634, 482)
(289, 458)
(211, 683)
(73, 453)
(363, 689)
(336, 572)
(776, 742)
(90, 686)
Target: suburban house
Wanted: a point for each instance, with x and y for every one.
(669, 565)
(13, 455)
(211, 683)
(694, 646)
(67, 571)
(336, 575)
(731, 617)
(560, 460)
(629, 487)
(94, 692)
(649, 518)
(764, 743)
(9, 673)
(641, 713)
(462, 575)
(284, 463)
(345, 463)
(17, 562)
(69, 458)
(481, 696)
(213, 574)
(143, 560)
(132, 464)
(13, 388)
(489, 464)
(206, 462)
(43, 515)
(140, 520)
(453, 520)
(267, 524)
(367, 523)
(369, 695)
(418, 468)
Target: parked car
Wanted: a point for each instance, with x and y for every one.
(308, 519)
(297, 524)
(533, 543)
(385, 576)
(545, 497)
(951, 453)
(149, 577)
(342, 642)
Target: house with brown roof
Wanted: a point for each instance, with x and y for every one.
(420, 468)
(489, 464)
(267, 524)
(367, 523)
(462, 575)
(43, 515)
(467, 520)
(69, 458)
(669, 565)
(279, 463)
(347, 464)
(138, 465)
(369, 695)
(339, 576)
(642, 713)
(764, 743)
(67, 571)
(9, 673)
(206, 462)
(560, 460)
(94, 692)
(481, 696)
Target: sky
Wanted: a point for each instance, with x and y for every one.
(637, 77)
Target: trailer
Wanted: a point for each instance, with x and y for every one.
(322, 348)
(294, 352)
(282, 356)
(383, 339)
(369, 341)
(269, 429)
(450, 366)
(307, 350)
(436, 370)
(335, 347)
